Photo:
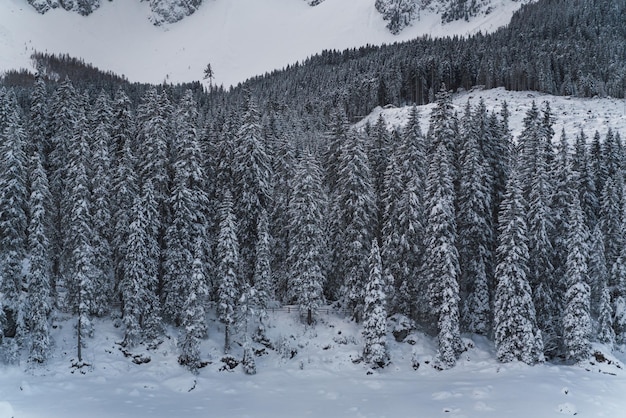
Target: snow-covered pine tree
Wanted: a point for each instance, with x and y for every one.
(13, 213)
(228, 270)
(38, 297)
(81, 281)
(617, 289)
(517, 336)
(541, 276)
(306, 260)
(101, 213)
(379, 149)
(392, 239)
(188, 204)
(193, 316)
(63, 111)
(356, 206)
(403, 230)
(283, 167)
(474, 228)
(153, 134)
(605, 333)
(577, 315)
(38, 126)
(611, 221)
(252, 172)
(597, 270)
(138, 287)
(375, 313)
(588, 194)
(124, 182)
(263, 290)
(441, 258)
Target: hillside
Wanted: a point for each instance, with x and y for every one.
(239, 38)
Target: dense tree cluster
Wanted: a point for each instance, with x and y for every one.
(170, 209)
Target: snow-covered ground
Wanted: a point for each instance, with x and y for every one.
(571, 114)
(239, 38)
(319, 380)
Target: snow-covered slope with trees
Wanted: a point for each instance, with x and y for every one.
(239, 38)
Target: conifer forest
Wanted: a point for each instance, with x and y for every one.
(155, 205)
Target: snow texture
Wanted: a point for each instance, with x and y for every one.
(239, 38)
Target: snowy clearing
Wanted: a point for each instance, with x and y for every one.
(319, 380)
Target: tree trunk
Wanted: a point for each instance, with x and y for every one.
(309, 317)
(226, 339)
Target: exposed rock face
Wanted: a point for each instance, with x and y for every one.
(163, 11)
(170, 11)
(398, 13)
(84, 7)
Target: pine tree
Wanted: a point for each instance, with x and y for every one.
(138, 287)
(193, 315)
(307, 241)
(441, 256)
(606, 333)
(188, 205)
(403, 229)
(355, 203)
(617, 289)
(474, 230)
(13, 213)
(38, 297)
(124, 181)
(517, 336)
(378, 150)
(597, 268)
(64, 113)
(253, 187)
(441, 259)
(228, 276)
(263, 290)
(541, 275)
(79, 238)
(577, 316)
(375, 313)
(101, 213)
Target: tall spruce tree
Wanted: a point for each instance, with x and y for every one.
(38, 297)
(193, 320)
(307, 247)
(253, 187)
(577, 315)
(474, 228)
(13, 213)
(517, 336)
(440, 253)
(375, 313)
(356, 206)
(228, 271)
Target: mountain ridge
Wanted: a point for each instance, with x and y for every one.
(398, 13)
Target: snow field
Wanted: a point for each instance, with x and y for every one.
(321, 379)
(239, 38)
(571, 113)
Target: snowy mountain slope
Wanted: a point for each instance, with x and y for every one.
(239, 38)
(571, 114)
(312, 375)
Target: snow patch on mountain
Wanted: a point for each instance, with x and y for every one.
(572, 115)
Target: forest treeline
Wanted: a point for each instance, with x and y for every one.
(151, 211)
